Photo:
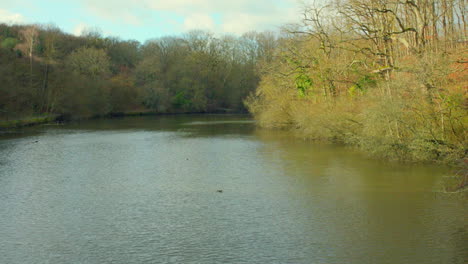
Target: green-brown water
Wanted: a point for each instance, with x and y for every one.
(144, 190)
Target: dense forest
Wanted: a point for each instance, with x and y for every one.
(388, 76)
(46, 71)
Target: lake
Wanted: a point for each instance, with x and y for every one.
(215, 189)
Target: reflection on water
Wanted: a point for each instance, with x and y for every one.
(144, 190)
(211, 123)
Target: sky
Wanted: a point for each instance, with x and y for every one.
(146, 19)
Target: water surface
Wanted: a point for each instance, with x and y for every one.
(145, 190)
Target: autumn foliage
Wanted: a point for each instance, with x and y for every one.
(390, 77)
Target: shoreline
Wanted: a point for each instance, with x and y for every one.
(28, 121)
(65, 118)
(456, 183)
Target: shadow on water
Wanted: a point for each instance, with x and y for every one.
(396, 211)
(195, 124)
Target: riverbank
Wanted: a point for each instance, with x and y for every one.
(28, 121)
(62, 118)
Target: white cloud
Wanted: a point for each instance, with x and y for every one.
(207, 6)
(11, 18)
(199, 21)
(239, 23)
(221, 16)
(80, 29)
(115, 11)
(236, 16)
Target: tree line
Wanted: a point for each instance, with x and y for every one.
(388, 76)
(46, 71)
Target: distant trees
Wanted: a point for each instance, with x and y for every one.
(91, 62)
(9, 43)
(47, 71)
(198, 72)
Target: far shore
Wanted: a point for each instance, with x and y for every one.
(62, 118)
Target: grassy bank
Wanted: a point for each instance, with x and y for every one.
(28, 121)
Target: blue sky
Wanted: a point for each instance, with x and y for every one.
(146, 19)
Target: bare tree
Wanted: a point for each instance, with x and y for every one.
(30, 35)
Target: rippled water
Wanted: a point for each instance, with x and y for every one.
(145, 190)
